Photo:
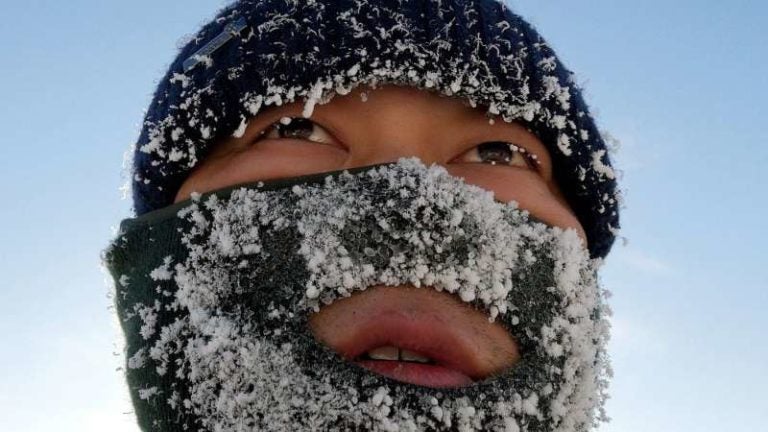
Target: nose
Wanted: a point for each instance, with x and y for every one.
(382, 152)
(401, 122)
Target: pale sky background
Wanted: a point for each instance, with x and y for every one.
(683, 84)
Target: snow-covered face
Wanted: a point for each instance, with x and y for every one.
(455, 296)
(383, 125)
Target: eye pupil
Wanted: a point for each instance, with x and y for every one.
(495, 152)
(296, 127)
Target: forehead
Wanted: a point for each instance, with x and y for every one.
(376, 104)
(390, 108)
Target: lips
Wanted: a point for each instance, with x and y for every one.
(415, 335)
(450, 362)
(435, 376)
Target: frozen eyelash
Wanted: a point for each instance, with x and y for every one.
(283, 121)
(528, 155)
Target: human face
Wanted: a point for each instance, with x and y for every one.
(406, 325)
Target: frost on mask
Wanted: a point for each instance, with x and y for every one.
(224, 344)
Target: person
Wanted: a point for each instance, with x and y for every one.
(367, 215)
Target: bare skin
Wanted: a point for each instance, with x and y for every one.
(391, 123)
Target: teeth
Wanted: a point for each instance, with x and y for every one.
(384, 353)
(394, 353)
(406, 355)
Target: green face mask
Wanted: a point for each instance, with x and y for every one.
(214, 296)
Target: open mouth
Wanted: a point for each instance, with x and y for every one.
(392, 353)
(416, 335)
(411, 367)
(420, 350)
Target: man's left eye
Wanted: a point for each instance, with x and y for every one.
(500, 153)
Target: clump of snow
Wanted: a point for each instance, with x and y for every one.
(600, 167)
(180, 78)
(162, 272)
(138, 359)
(148, 393)
(240, 131)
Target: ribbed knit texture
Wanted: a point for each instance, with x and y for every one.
(128, 259)
(142, 244)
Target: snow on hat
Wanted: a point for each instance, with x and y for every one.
(260, 53)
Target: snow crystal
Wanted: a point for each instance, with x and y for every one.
(147, 393)
(148, 315)
(180, 78)
(163, 271)
(137, 360)
(600, 167)
(240, 131)
(353, 70)
(564, 144)
(205, 60)
(313, 98)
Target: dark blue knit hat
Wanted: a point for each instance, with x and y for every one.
(258, 53)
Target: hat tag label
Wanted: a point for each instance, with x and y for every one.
(203, 54)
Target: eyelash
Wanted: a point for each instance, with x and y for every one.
(303, 128)
(292, 125)
(517, 155)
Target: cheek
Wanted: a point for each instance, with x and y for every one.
(267, 161)
(529, 190)
(289, 158)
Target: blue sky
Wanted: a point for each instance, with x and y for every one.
(683, 85)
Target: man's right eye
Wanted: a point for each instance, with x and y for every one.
(298, 128)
